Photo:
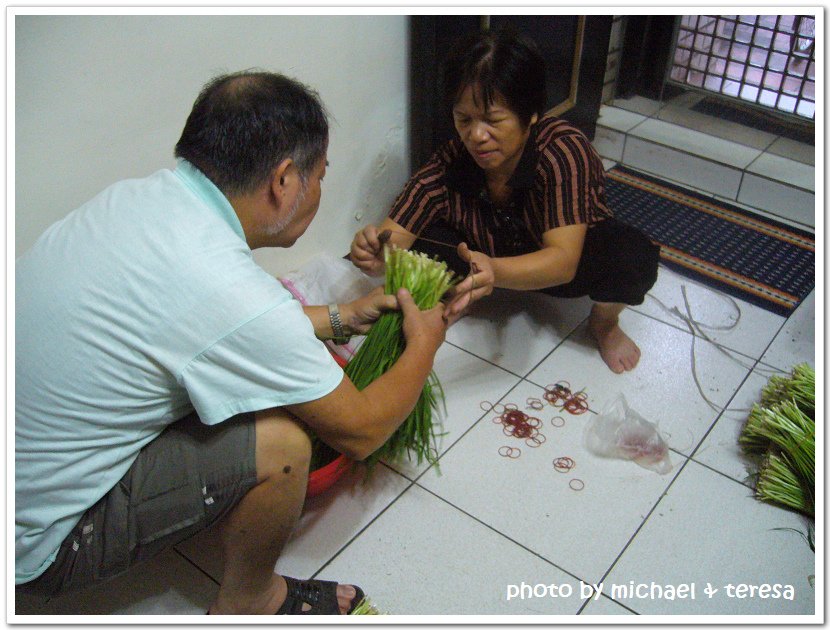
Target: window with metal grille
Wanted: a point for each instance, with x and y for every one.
(768, 60)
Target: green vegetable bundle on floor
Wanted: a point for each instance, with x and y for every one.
(427, 280)
(782, 429)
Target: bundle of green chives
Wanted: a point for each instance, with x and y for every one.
(427, 280)
(783, 428)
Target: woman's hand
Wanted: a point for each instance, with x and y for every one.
(367, 251)
(478, 284)
(359, 315)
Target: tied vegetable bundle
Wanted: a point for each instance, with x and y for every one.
(427, 280)
(782, 429)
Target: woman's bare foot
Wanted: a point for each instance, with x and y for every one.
(616, 348)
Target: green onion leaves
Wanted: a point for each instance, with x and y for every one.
(427, 280)
(782, 429)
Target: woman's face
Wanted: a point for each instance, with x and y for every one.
(495, 138)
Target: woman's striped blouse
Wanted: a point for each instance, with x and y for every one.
(560, 180)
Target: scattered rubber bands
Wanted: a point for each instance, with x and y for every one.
(563, 464)
(517, 423)
(557, 394)
(510, 452)
(561, 397)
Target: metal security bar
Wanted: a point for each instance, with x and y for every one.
(768, 60)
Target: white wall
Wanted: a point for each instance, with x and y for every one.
(103, 98)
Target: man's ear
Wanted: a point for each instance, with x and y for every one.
(285, 182)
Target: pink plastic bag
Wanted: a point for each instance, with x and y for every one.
(622, 433)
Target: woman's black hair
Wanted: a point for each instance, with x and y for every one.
(244, 124)
(502, 62)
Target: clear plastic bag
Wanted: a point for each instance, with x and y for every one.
(622, 433)
(326, 279)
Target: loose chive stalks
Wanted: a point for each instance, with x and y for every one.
(427, 280)
(783, 426)
(777, 483)
(789, 429)
(800, 386)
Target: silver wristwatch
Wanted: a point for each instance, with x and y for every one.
(340, 336)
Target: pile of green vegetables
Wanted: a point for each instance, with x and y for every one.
(427, 279)
(782, 431)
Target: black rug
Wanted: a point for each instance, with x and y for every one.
(758, 260)
(749, 117)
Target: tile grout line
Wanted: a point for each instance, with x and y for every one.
(640, 526)
(488, 361)
(501, 534)
(369, 524)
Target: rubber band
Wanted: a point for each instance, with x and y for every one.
(557, 393)
(510, 452)
(561, 420)
(536, 441)
(535, 404)
(577, 404)
(516, 423)
(576, 484)
(563, 464)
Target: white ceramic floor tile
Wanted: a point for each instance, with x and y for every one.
(779, 199)
(328, 522)
(790, 172)
(618, 119)
(661, 388)
(720, 450)
(517, 329)
(708, 529)
(796, 342)
(164, 585)
(609, 143)
(581, 531)
(638, 105)
(799, 151)
(679, 112)
(696, 143)
(684, 168)
(424, 557)
(733, 323)
(466, 380)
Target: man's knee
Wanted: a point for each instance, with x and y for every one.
(283, 447)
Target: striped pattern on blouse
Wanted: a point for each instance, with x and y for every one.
(565, 185)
